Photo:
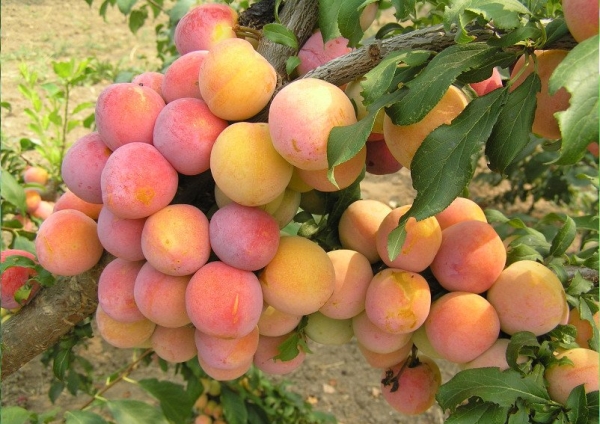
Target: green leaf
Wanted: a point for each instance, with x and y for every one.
(426, 90)
(523, 343)
(445, 162)
(478, 413)
(12, 191)
(377, 81)
(511, 132)
(492, 385)
(578, 74)
(83, 417)
(577, 406)
(137, 19)
(328, 18)
(14, 415)
(349, 21)
(83, 106)
(346, 141)
(505, 14)
(135, 412)
(404, 8)
(291, 64)
(280, 34)
(125, 6)
(61, 364)
(524, 33)
(564, 238)
(593, 406)
(174, 401)
(234, 407)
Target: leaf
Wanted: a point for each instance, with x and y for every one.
(14, 415)
(593, 406)
(523, 343)
(125, 6)
(404, 8)
(578, 74)
(564, 238)
(135, 412)
(492, 385)
(174, 401)
(83, 417)
(349, 21)
(505, 14)
(11, 191)
(137, 19)
(280, 34)
(577, 406)
(511, 132)
(234, 407)
(378, 80)
(445, 162)
(328, 18)
(291, 64)
(478, 413)
(62, 362)
(426, 90)
(345, 142)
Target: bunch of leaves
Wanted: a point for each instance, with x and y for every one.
(51, 115)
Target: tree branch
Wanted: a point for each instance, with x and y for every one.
(49, 316)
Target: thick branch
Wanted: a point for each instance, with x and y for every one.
(49, 316)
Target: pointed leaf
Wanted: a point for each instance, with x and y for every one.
(478, 413)
(137, 19)
(349, 21)
(125, 6)
(135, 412)
(280, 34)
(577, 409)
(404, 8)
(83, 417)
(12, 191)
(445, 162)
(511, 132)
(328, 18)
(578, 73)
(174, 401)
(564, 238)
(426, 90)
(345, 142)
(234, 407)
(490, 384)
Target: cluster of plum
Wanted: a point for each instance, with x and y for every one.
(227, 286)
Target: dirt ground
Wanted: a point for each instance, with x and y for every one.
(37, 32)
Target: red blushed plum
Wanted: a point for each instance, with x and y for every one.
(461, 209)
(174, 345)
(82, 167)
(175, 239)
(417, 386)
(224, 301)
(581, 17)
(151, 80)
(268, 349)
(244, 237)
(69, 200)
(423, 239)
(301, 117)
(380, 160)
(344, 174)
(471, 257)
(126, 112)
(385, 360)
(181, 77)
(300, 278)
(204, 26)
(359, 224)
(221, 353)
(222, 374)
(374, 338)
(528, 297)
(44, 210)
(138, 181)
(161, 297)
(184, 134)
(115, 290)
(488, 84)
(67, 243)
(353, 274)
(121, 237)
(582, 369)
(315, 52)
(398, 301)
(275, 323)
(124, 335)
(14, 278)
(461, 326)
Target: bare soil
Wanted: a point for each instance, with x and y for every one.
(36, 32)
